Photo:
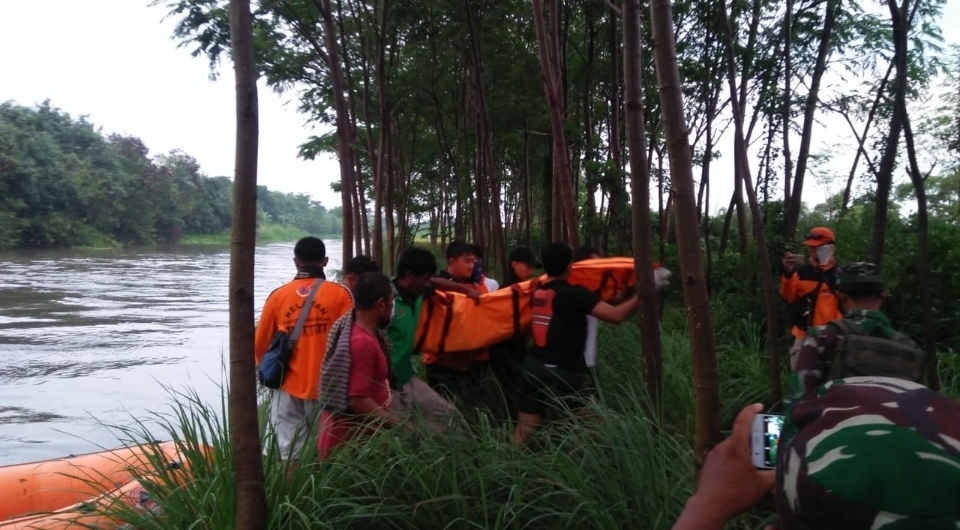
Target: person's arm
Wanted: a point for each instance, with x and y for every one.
(365, 406)
(362, 381)
(616, 313)
(789, 279)
(442, 284)
(729, 484)
(812, 364)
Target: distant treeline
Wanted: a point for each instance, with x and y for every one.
(63, 183)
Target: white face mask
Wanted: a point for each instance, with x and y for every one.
(824, 253)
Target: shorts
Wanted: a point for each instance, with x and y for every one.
(544, 385)
(292, 422)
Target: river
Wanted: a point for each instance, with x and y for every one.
(92, 339)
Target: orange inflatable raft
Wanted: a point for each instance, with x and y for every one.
(452, 322)
(72, 492)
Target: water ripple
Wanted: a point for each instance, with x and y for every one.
(98, 333)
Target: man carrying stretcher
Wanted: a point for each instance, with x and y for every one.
(554, 367)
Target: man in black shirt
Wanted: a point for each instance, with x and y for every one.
(555, 366)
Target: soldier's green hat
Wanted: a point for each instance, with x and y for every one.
(861, 278)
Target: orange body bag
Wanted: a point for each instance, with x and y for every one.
(452, 322)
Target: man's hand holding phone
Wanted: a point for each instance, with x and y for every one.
(791, 261)
(729, 482)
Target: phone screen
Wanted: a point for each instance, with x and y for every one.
(771, 439)
(766, 439)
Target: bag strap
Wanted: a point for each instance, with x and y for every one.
(304, 311)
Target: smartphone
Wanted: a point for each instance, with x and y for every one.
(477, 274)
(764, 439)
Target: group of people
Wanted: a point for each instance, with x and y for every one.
(865, 444)
(353, 370)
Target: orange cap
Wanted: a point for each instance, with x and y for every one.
(820, 235)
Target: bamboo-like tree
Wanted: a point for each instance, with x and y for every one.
(552, 85)
(640, 185)
(692, 277)
(244, 427)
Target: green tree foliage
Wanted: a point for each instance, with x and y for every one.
(63, 183)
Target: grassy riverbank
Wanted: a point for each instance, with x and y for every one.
(622, 469)
(266, 233)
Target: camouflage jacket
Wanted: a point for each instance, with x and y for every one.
(816, 356)
(873, 453)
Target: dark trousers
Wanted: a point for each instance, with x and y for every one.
(472, 390)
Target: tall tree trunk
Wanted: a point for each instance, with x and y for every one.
(900, 29)
(616, 189)
(923, 256)
(727, 218)
(550, 68)
(344, 141)
(887, 163)
(766, 268)
(589, 152)
(787, 103)
(244, 427)
(527, 190)
(795, 204)
(376, 164)
(640, 184)
(486, 146)
(699, 321)
(861, 140)
(363, 231)
(384, 160)
(738, 199)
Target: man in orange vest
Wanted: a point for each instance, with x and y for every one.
(555, 367)
(808, 288)
(294, 407)
(462, 376)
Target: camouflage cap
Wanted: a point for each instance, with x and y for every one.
(870, 453)
(859, 278)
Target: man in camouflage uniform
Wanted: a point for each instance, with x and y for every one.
(872, 453)
(863, 453)
(861, 293)
(856, 452)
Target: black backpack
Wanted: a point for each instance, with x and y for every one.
(860, 354)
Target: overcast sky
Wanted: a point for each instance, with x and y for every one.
(114, 61)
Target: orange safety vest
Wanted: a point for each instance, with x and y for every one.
(463, 359)
(541, 309)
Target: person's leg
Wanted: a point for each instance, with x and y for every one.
(415, 399)
(291, 421)
(443, 380)
(530, 400)
(527, 425)
(436, 411)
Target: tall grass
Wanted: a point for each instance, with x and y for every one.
(619, 468)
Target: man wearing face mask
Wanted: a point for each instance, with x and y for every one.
(808, 288)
